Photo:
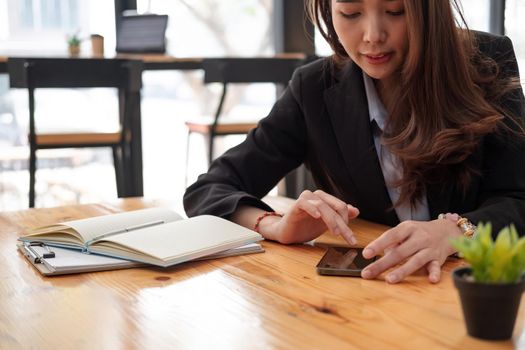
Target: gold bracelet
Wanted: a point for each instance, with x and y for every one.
(467, 228)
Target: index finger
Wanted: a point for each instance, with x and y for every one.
(387, 239)
(335, 203)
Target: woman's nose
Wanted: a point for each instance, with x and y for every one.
(374, 31)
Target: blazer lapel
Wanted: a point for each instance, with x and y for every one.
(347, 106)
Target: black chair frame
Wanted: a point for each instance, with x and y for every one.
(228, 71)
(125, 75)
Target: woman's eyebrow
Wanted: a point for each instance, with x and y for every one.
(360, 0)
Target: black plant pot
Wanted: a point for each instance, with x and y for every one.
(489, 309)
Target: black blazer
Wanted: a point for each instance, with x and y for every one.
(322, 120)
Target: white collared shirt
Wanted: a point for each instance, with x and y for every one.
(392, 171)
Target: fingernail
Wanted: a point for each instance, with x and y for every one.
(368, 253)
(351, 207)
(353, 240)
(392, 278)
(336, 231)
(366, 273)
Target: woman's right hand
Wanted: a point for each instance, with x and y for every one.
(312, 214)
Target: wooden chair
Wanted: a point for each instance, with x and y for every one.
(124, 75)
(228, 71)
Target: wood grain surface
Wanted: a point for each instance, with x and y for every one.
(273, 300)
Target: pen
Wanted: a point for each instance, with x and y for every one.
(116, 232)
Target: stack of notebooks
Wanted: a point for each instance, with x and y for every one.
(154, 236)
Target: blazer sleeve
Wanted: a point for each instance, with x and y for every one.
(502, 196)
(247, 172)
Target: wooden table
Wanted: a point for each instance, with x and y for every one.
(259, 301)
(150, 61)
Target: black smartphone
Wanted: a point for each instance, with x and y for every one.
(343, 261)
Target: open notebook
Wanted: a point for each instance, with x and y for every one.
(154, 236)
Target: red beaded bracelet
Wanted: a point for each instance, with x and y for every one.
(268, 213)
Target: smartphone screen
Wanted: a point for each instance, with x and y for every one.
(343, 261)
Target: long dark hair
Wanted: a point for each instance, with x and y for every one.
(449, 96)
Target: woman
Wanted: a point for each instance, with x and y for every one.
(411, 118)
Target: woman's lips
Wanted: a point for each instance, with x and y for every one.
(378, 59)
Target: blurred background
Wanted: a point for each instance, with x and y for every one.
(196, 28)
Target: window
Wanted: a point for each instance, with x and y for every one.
(39, 23)
(476, 13)
(215, 27)
(39, 27)
(38, 15)
(514, 14)
(199, 28)
(42, 25)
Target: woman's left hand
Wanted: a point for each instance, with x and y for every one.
(415, 244)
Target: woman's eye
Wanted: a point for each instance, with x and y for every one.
(350, 15)
(396, 13)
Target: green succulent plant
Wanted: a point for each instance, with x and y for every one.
(74, 39)
(499, 261)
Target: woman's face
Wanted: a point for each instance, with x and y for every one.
(373, 33)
